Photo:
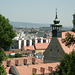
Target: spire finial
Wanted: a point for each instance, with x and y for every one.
(56, 14)
(56, 21)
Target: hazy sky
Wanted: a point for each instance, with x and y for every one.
(38, 11)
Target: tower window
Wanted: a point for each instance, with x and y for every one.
(57, 50)
(50, 49)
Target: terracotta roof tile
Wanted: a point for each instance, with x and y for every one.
(29, 47)
(41, 45)
(7, 52)
(27, 70)
(66, 48)
(63, 34)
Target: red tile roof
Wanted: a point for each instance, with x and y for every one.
(29, 47)
(66, 48)
(41, 45)
(7, 52)
(27, 70)
(63, 34)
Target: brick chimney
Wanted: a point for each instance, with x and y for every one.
(25, 61)
(50, 69)
(8, 63)
(33, 60)
(16, 62)
(42, 70)
(34, 70)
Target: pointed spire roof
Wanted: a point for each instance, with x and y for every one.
(56, 21)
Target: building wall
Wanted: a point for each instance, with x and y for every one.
(19, 43)
(37, 51)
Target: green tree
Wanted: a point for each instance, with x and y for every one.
(18, 55)
(6, 36)
(67, 65)
(73, 22)
(74, 19)
(69, 39)
(2, 57)
(6, 33)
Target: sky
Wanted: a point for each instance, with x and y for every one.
(38, 11)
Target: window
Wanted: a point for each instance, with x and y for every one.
(39, 40)
(57, 50)
(27, 42)
(44, 41)
(33, 41)
(50, 49)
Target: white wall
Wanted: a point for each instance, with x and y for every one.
(30, 42)
(24, 42)
(41, 40)
(19, 43)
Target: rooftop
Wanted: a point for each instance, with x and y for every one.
(41, 45)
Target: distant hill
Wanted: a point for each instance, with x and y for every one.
(28, 25)
(36, 25)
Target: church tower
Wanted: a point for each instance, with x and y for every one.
(54, 52)
(56, 27)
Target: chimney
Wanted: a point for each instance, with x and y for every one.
(42, 70)
(25, 61)
(16, 62)
(8, 63)
(50, 69)
(33, 60)
(34, 70)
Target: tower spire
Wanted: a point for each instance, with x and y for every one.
(56, 21)
(56, 14)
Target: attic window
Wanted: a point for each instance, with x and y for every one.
(50, 49)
